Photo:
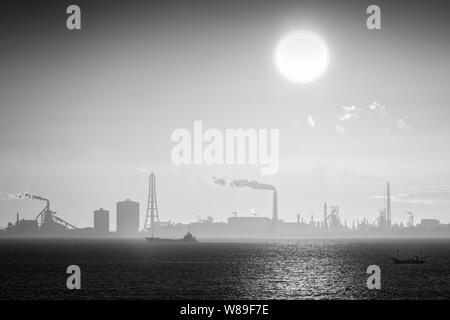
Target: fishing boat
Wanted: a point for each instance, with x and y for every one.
(417, 259)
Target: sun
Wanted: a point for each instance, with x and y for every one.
(301, 56)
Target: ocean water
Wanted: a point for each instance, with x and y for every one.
(306, 269)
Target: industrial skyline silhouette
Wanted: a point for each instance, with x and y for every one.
(48, 224)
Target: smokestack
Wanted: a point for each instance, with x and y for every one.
(298, 218)
(325, 223)
(275, 206)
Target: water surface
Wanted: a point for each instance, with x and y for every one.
(307, 269)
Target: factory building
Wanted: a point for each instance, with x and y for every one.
(256, 227)
(101, 221)
(429, 223)
(127, 217)
(22, 227)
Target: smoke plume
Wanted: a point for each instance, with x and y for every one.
(220, 181)
(251, 184)
(243, 183)
(7, 196)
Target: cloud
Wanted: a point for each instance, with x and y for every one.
(378, 108)
(352, 113)
(349, 113)
(402, 124)
(311, 121)
(419, 197)
(361, 176)
(340, 129)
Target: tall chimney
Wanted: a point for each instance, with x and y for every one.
(275, 206)
(325, 215)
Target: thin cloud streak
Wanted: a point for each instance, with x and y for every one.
(419, 197)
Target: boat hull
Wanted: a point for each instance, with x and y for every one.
(168, 241)
(397, 261)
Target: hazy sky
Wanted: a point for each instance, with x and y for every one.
(82, 112)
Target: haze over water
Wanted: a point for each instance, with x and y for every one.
(308, 269)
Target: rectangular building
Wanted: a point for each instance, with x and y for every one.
(429, 223)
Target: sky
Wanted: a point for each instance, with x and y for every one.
(86, 114)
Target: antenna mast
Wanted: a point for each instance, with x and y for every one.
(152, 206)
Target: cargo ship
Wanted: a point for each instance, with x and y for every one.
(188, 238)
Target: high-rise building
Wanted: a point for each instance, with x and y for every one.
(101, 221)
(127, 217)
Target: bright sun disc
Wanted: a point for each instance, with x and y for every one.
(301, 56)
